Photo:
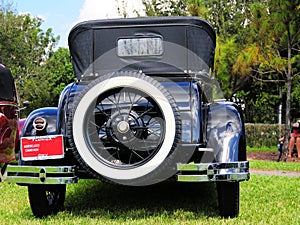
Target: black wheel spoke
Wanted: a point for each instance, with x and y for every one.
(156, 133)
(112, 155)
(102, 110)
(137, 154)
(93, 123)
(113, 101)
(130, 157)
(144, 113)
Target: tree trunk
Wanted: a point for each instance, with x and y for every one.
(285, 148)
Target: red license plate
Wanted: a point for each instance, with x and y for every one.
(42, 147)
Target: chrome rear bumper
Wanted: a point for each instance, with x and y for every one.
(41, 174)
(203, 172)
(198, 172)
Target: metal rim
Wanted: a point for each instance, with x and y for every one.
(129, 127)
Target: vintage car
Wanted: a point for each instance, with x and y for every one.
(9, 115)
(142, 110)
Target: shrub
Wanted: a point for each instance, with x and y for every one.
(260, 135)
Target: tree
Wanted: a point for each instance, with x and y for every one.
(49, 80)
(60, 71)
(28, 51)
(165, 7)
(245, 32)
(273, 54)
(229, 18)
(23, 44)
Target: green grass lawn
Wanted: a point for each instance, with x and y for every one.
(259, 164)
(264, 200)
(261, 149)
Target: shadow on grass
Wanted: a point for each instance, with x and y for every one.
(93, 198)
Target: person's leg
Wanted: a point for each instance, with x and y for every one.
(298, 146)
(291, 146)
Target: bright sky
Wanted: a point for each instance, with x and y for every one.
(62, 15)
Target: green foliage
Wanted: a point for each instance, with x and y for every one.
(23, 44)
(274, 30)
(260, 135)
(225, 57)
(268, 35)
(44, 89)
(251, 59)
(60, 69)
(262, 103)
(165, 8)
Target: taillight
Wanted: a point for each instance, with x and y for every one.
(40, 124)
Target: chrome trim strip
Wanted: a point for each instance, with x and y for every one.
(37, 180)
(36, 169)
(41, 174)
(205, 149)
(216, 177)
(206, 166)
(231, 171)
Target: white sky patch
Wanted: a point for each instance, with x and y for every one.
(41, 16)
(107, 9)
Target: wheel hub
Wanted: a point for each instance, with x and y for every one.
(123, 127)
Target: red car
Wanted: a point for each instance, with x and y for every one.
(9, 115)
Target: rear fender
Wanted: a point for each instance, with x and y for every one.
(226, 133)
(65, 101)
(49, 113)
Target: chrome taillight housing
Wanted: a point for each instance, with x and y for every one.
(40, 124)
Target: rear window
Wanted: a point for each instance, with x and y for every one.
(141, 46)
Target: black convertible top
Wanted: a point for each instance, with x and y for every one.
(6, 84)
(189, 44)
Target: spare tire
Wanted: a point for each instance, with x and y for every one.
(124, 128)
